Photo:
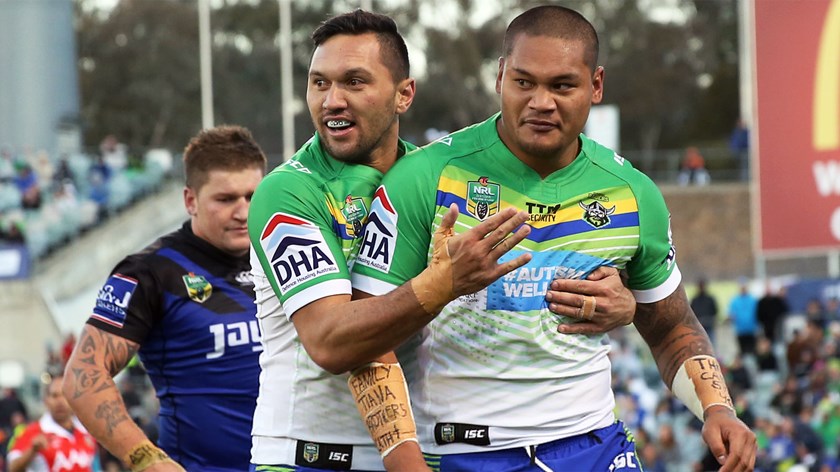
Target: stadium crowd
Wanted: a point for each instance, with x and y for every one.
(47, 199)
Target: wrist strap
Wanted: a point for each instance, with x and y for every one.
(144, 455)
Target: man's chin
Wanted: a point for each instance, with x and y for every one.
(347, 153)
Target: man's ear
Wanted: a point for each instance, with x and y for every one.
(190, 201)
(405, 94)
(499, 75)
(598, 85)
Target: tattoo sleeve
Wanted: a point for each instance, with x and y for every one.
(672, 332)
(90, 389)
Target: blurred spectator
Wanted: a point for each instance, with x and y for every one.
(781, 448)
(744, 408)
(739, 144)
(742, 312)
(114, 153)
(800, 354)
(814, 311)
(771, 311)
(693, 169)
(8, 169)
(809, 444)
(706, 309)
(57, 442)
(63, 173)
(765, 358)
(11, 229)
(43, 167)
(9, 405)
(738, 378)
(27, 183)
(99, 175)
(669, 450)
(832, 309)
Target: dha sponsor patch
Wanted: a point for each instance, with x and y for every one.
(377, 248)
(113, 299)
(198, 288)
(296, 250)
(483, 198)
(524, 289)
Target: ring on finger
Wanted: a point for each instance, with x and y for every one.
(587, 307)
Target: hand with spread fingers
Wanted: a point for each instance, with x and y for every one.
(475, 253)
(601, 302)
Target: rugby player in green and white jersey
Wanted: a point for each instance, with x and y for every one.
(493, 385)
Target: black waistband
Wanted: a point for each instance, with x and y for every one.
(323, 455)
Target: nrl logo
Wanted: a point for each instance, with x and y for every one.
(310, 452)
(483, 198)
(198, 288)
(447, 433)
(596, 214)
(354, 212)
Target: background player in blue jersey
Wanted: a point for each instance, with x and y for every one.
(186, 305)
(492, 386)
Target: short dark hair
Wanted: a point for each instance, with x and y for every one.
(358, 22)
(224, 147)
(557, 22)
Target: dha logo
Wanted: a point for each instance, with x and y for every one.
(826, 131)
(380, 237)
(296, 250)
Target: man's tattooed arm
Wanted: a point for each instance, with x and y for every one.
(90, 389)
(672, 332)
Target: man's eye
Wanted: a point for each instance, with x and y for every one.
(354, 82)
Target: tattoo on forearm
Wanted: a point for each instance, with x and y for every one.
(118, 351)
(97, 350)
(112, 413)
(672, 331)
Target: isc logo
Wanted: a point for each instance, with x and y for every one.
(474, 434)
(626, 460)
(339, 456)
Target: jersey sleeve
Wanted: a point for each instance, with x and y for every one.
(21, 443)
(653, 272)
(129, 304)
(293, 237)
(396, 240)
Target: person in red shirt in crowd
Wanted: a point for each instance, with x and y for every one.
(56, 443)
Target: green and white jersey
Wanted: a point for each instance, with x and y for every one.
(491, 371)
(305, 220)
